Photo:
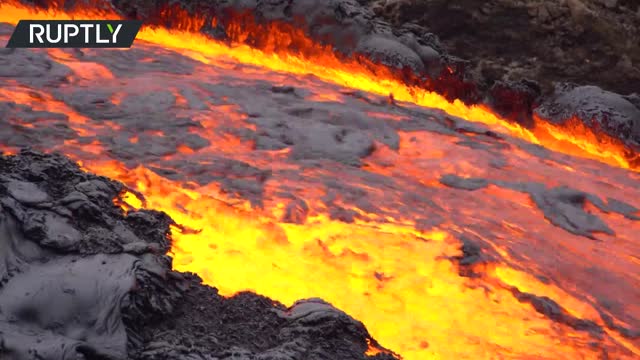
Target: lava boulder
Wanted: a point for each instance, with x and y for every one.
(605, 112)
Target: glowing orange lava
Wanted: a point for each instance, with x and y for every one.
(393, 275)
(322, 62)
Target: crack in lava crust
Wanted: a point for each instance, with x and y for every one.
(446, 239)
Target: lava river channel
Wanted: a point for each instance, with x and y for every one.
(447, 239)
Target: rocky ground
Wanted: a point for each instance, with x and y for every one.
(589, 42)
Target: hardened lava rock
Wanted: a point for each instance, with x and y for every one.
(80, 280)
(613, 114)
(591, 42)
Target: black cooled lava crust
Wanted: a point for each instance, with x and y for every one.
(80, 279)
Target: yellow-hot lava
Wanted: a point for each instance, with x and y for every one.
(399, 280)
(395, 279)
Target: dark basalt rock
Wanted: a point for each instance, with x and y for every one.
(79, 279)
(603, 111)
(515, 100)
(390, 52)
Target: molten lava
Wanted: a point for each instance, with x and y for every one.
(323, 63)
(379, 240)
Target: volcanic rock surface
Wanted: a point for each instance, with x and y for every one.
(610, 112)
(588, 42)
(83, 280)
(408, 219)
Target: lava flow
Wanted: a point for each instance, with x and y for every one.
(447, 240)
(357, 73)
